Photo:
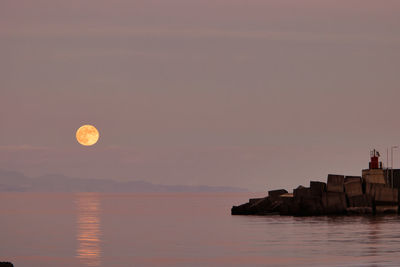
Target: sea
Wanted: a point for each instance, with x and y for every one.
(182, 229)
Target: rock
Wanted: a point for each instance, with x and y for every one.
(335, 183)
(6, 264)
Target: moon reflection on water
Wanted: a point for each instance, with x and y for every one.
(88, 229)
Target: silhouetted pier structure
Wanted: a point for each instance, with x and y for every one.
(374, 192)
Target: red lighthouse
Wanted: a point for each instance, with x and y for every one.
(375, 163)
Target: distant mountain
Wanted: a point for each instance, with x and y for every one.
(12, 181)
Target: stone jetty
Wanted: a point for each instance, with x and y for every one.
(370, 193)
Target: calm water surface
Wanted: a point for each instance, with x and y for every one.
(91, 229)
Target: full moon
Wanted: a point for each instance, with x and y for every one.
(87, 135)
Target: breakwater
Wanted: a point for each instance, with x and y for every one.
(370, 193)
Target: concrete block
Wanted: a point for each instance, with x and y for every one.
(243, 209)
(334, 203)
(301, 191)
(257, 207)
(286, 208)
(287, 195)
(386, 195)
(374, 176)
(254, 200)
(274, 194)
(370, 189)
(317, 188)
(360, 201)
(335, 183)
(396, 177)
(310, 205)
(372, 172)
(350, 179)
(353, 188)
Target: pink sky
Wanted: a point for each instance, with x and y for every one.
(257, 94)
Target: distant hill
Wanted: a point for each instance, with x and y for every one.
(12, 181)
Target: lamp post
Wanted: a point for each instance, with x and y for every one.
(387, 164)
(391, 162)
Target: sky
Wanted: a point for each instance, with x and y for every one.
(255, 94)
